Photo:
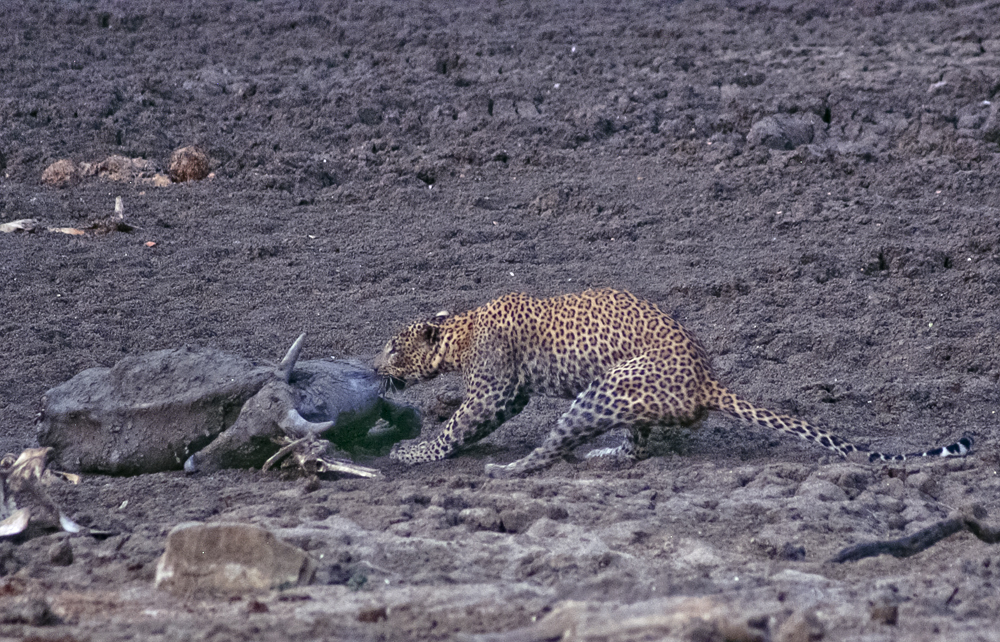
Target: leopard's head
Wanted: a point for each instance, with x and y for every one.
(417, 353)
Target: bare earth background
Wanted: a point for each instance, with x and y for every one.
(811, 187)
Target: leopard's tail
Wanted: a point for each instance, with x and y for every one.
(736, 406)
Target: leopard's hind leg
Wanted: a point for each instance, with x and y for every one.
(583, 421)
(627, 449)
(634, 445)
(623, 397)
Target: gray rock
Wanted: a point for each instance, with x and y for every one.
(229, 559)
(783, 131)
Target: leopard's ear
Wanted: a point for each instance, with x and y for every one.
(432, 328)
(432, 333)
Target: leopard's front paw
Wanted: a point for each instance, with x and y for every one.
(405, 453)
(418, 453)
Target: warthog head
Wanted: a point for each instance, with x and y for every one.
(267, 415)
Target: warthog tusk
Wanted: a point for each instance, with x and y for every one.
(295, 425)
(288, 363)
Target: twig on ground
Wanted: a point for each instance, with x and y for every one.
(921, 540)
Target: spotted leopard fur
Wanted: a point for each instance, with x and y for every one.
(626, 363)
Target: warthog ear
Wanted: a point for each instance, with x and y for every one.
(295, 425)
(288, 363)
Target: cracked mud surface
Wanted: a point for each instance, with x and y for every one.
(810, 188)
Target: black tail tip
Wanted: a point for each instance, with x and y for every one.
(960, 448)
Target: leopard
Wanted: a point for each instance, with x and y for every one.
(625, 363)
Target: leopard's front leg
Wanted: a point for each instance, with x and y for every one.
(478, 416)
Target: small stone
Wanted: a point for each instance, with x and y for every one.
(516, 520)
(161, 180)
(256, 606)
(925, 483)
(558, 513)
(120, 168)
(374, 614)
(741, 630)
(229, 559)
(61, 553)
(520, 518)
(189, 164)
(781, 131)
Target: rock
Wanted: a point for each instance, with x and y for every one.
(782, 131)
(925, 483)
(991, 128)
(61, 553)
(120, 168)
(885, 613)
(520, 519)
(229, 559)
(480, 519)
(189, 164)
(63, 172)
(792, 552)
(680, 618)
(820, 490)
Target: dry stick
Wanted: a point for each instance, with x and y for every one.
(922, 539)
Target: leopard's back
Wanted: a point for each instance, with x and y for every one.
(564, 343)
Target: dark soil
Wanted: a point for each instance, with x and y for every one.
(810, 187)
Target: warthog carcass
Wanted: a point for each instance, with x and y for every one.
(211, 409)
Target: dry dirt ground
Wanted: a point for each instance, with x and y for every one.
(810, 187)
